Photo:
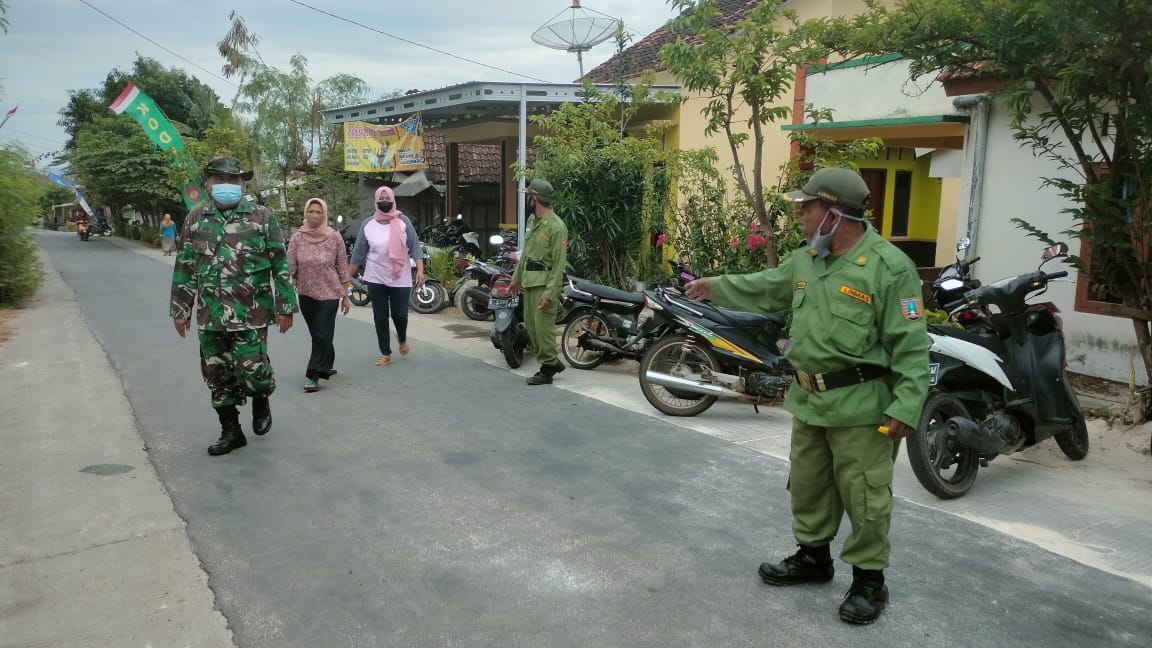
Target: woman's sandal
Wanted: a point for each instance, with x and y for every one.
(383, 360)
(311, 386)
(404, 348)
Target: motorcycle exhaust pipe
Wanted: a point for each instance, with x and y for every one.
(683, 384)
(972, 435)
(601, 345)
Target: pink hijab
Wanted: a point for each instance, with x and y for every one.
(316, 234)
(397, 240)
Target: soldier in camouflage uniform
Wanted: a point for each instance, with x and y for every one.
(232, 259)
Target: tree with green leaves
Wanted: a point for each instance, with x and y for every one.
(21, 191)
(612, 187)
(744, 70)
(1076, 77)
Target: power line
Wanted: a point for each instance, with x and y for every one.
(99, 11)
(405, 40)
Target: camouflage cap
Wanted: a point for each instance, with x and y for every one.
(835, 185)
(540, 187)
(226, 165)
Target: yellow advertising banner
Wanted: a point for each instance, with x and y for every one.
(373, 148)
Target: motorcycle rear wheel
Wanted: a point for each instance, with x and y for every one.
(591, 323)
(680, 356)
(945, 469)
(511, 347)
(1074, 442)
(428, 299)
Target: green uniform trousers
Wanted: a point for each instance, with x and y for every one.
(541, 325)
(235, 365)
(843, 470)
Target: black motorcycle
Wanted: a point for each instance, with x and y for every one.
(605, 325)
(473, 288)
(946, 297)
(710, 353)
(995, 394)
(509, 334)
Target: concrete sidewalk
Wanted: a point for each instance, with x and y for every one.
(91, 551)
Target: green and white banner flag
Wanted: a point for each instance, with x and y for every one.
(141, 108)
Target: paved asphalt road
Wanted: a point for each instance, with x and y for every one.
(441, 502)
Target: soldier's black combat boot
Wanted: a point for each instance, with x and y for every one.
(261, 415)
(231, 436)
(542, 377)
(867, 597)
(808, 565)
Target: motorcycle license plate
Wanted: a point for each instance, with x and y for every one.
(502, 302)
(933, 373)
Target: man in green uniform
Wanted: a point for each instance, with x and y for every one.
(860, 348)
(232, 260)
(540, 271)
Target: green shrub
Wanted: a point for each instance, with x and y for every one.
(442, 266)
(21, 191)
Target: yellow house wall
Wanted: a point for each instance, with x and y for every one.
(949, 218)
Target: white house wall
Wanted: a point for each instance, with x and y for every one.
(866, 92)
(1098, 345)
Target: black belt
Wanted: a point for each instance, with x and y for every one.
(534, 266)
(842, 378)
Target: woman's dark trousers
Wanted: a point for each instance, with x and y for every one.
(320, 315)
(386, 301)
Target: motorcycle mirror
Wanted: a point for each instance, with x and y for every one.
(460, 217)
(496, 239)
(340, 219)
(963, 244)
(1055, 251)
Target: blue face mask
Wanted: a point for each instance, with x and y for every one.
(226, 194)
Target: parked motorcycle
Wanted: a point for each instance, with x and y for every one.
(606, 326)
(710, 353)
(946, 297)
(996, 394)
(508, 335)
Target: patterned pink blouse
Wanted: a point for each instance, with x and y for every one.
(319, 269)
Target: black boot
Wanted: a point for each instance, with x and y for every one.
(808, 565)
(867, 597)
(556, 367)
(542, 377)
(261, 415)
(231, 436)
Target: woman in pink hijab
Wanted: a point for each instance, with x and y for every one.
(318, 264)
(384, 246)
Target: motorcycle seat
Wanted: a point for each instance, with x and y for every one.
(604, 292)
(992, 343)
(751, 320)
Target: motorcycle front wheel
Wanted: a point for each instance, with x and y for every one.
(1074, 442)
(682, 357)
(590, 324)
(474, 304)
(944, 467)
(430, 298)
(512, 348)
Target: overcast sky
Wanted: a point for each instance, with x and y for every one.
(53, 46)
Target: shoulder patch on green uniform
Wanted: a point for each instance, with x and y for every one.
(910, 308)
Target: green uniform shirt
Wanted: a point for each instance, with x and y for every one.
(545, 242)
(862, 307)
(231, 260)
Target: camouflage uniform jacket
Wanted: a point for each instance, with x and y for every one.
(230, 260)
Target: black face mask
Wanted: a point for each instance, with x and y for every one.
(529, 207)
(385, 206)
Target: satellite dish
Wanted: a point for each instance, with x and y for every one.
(578, 33)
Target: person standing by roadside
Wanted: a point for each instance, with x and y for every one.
(540, 272)
(232, 264)
(168, 235)
(318, 263)
(860, 348)
(383, 247)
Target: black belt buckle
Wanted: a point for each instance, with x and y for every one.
(534, 266)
